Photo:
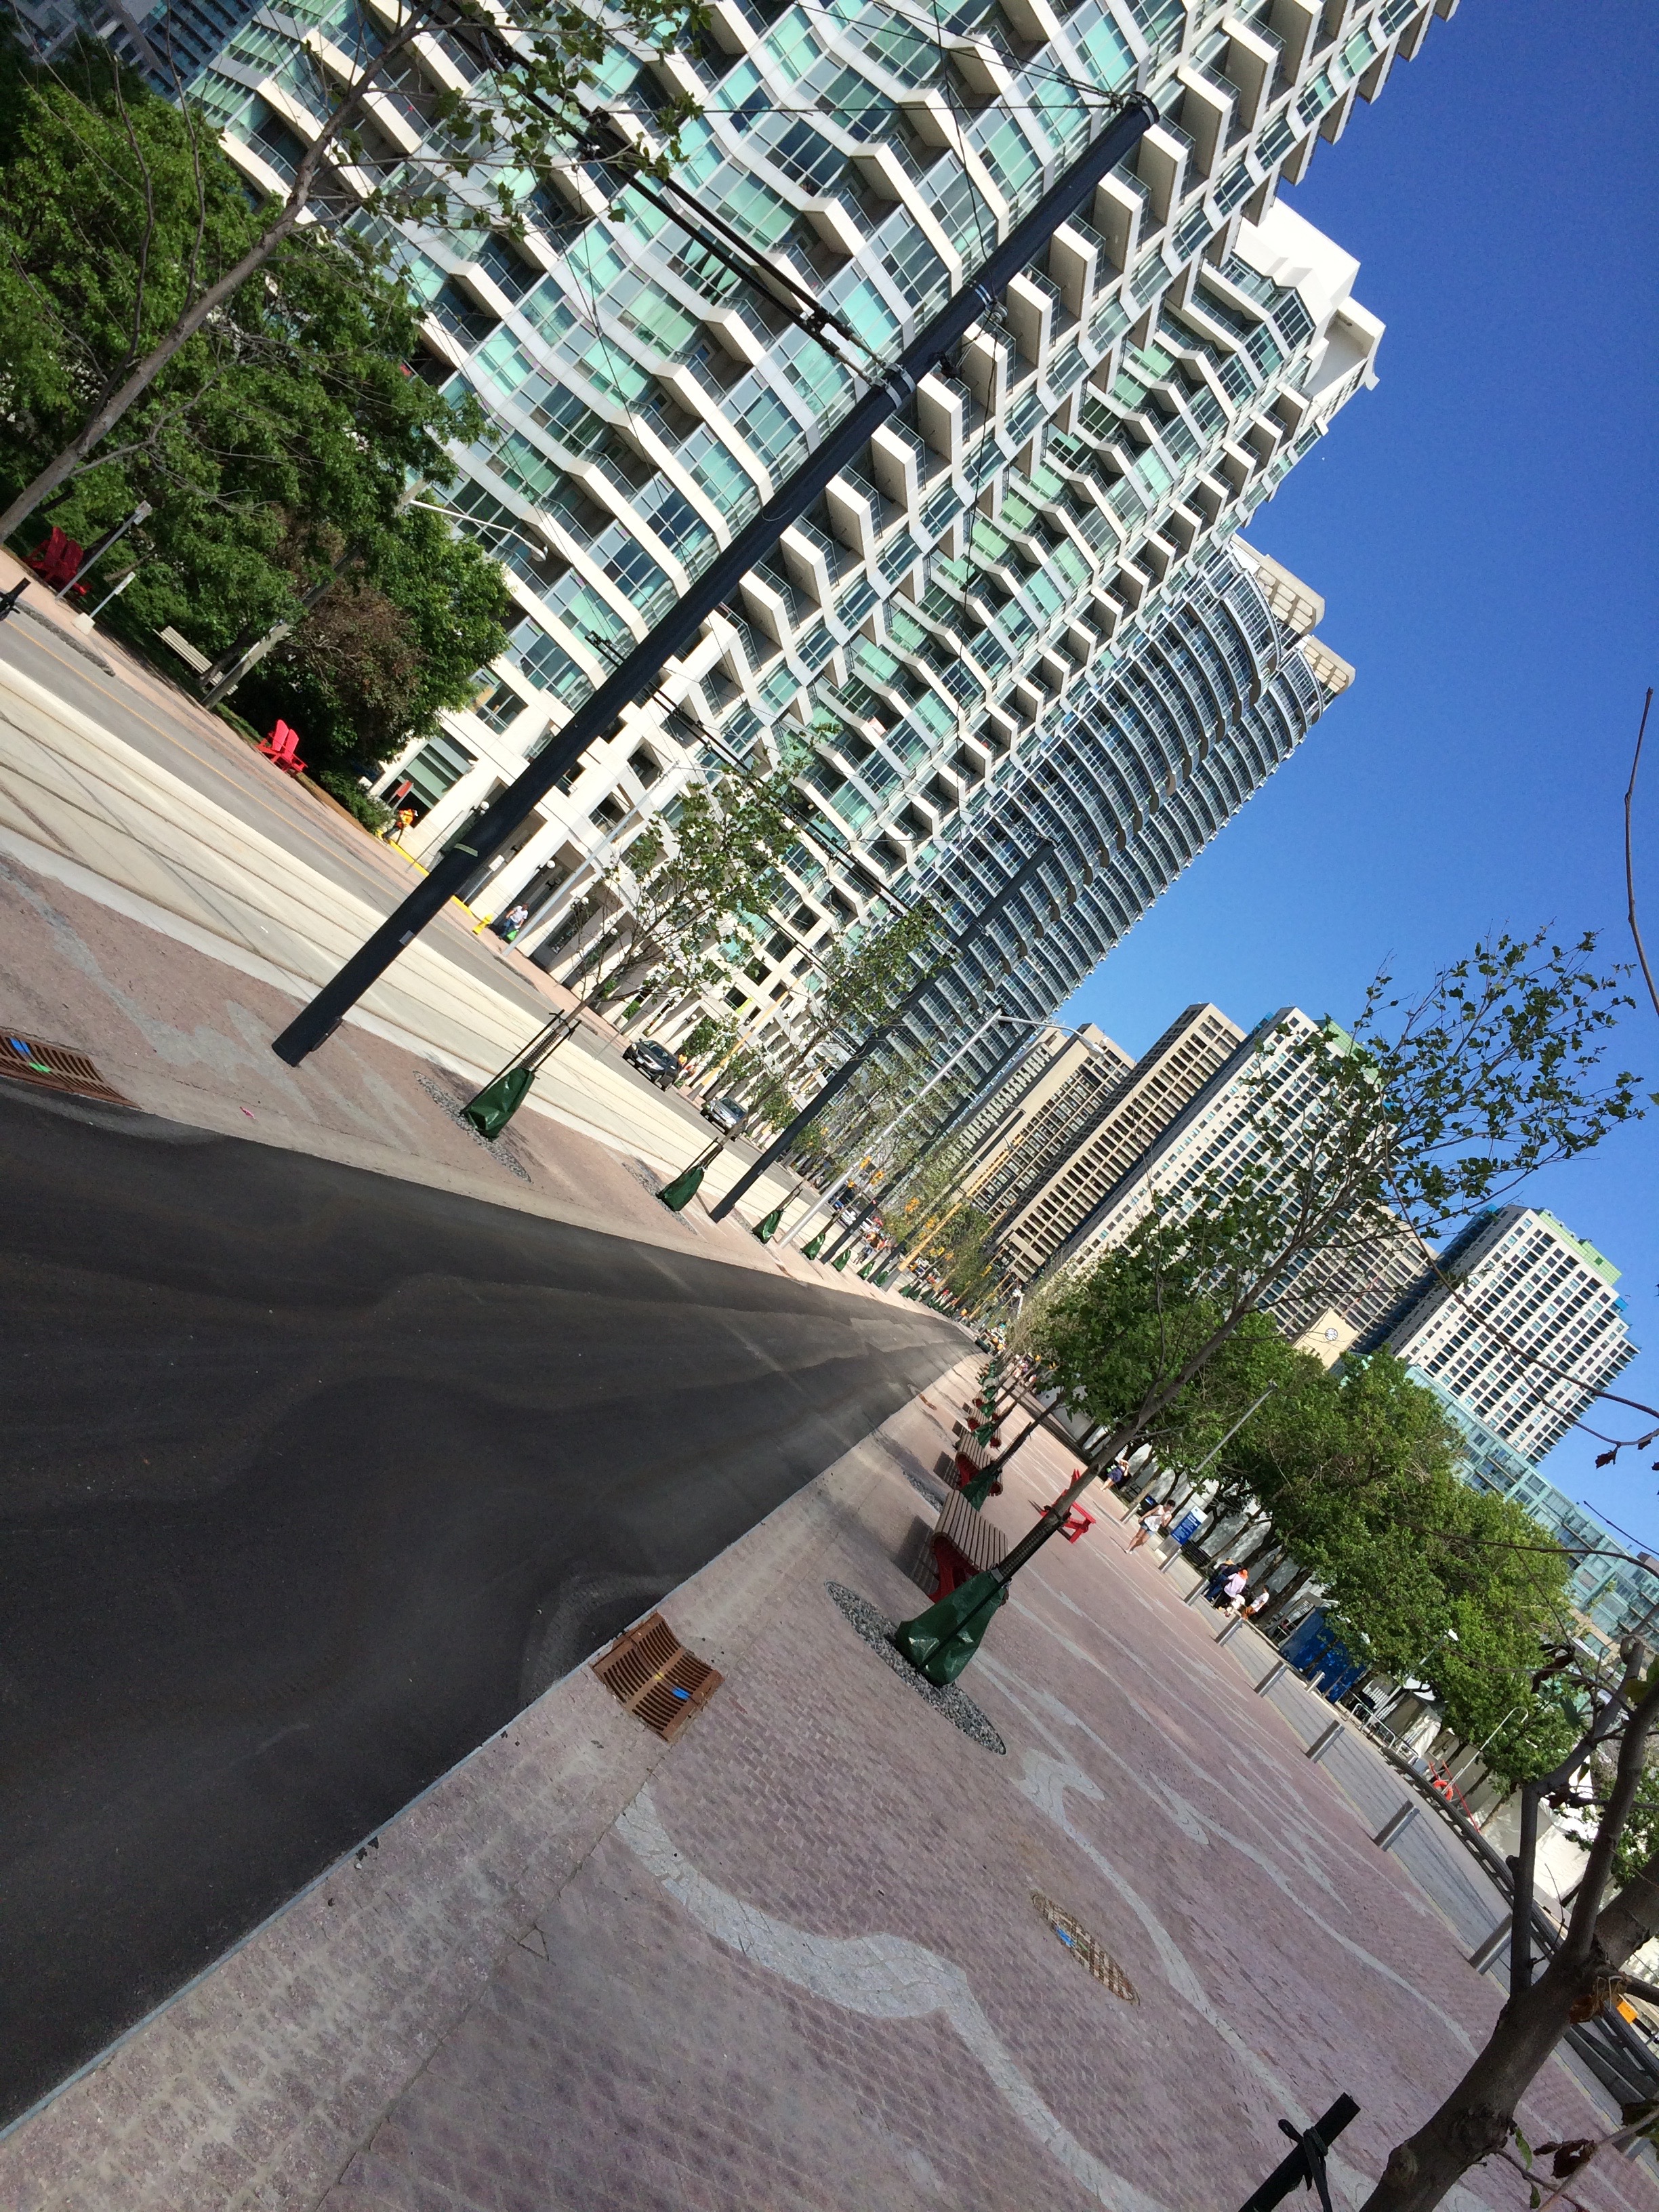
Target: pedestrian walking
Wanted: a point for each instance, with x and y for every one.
(1152, 1523)
(507, 926)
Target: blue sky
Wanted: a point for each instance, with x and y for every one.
(1481, 527)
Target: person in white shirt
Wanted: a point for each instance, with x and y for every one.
(1152, 1523)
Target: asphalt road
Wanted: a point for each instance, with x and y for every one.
(308, 1480)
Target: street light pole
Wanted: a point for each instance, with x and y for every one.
(638, 674)
(1216, 1450)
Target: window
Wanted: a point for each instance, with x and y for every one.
(457, 311)
(439, 764)
(511, 274)
(500, 707)
(547, 664)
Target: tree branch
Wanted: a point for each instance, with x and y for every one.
(1630, 865)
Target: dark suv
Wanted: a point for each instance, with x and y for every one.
(654, 1062)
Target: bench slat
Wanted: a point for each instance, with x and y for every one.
(979, 1541)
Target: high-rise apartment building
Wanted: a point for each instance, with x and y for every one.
(1521, 1322)
(1056, 1180)
(1254, 1095)
(1023, 600)
(1055, 1087)
(1137, 775)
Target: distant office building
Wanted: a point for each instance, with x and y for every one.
(1059, 1176)
(1062, 1077)
(1338, 1296)
(1521, 1324)
(1220, 1131)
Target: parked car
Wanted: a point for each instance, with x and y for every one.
(654, 1062)
(727, 1116)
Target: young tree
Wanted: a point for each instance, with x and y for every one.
(692, 892)
(277, 449)
(484, 153)
(1426, 1111)
(865, 972)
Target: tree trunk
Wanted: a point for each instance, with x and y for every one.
(1476, 2119)
(1283, 1597)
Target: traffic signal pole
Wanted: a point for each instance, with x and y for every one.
(638, 674)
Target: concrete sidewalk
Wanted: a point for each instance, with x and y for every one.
(807, 1957)
(116, 789)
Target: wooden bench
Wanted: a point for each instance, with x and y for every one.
(964, 1544)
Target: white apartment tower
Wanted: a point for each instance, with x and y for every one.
(1258, 1089)
(1521, 1324)
(1026, 594)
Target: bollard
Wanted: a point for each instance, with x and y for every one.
(1279, 1667)
(1485, 1951)
(1232, 1628)
(1196, 1591)
(1168, 1560)
(1322, 1744)
(1396, 1825)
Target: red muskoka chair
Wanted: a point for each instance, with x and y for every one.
(281, 748)
(1077, 1523)
(56, 559)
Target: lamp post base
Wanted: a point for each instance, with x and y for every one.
(939, 1643)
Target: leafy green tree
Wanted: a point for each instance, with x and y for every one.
(864, 972)
(372, 663)
(277, 448)
(1356, 1470)
(691, 893)
(484, 153)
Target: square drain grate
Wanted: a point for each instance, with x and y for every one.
(1085, 1948)
(655, 1676)
(53, 1067)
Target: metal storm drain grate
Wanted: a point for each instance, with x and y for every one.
(53, 1067)
(655, 1676)
(1083, 1947)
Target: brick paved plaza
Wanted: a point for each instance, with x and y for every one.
(792, 1961)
